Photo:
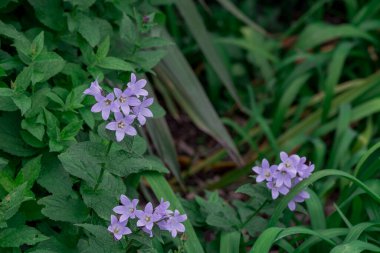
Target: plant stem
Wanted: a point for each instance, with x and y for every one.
(103, 167)
(255, 213)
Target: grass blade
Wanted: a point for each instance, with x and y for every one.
(316, 212)
(230, 242)
(196, 26)
(175, 72)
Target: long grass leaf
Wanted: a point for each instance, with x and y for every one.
(175, 72)
(194, 22)
(230, 242)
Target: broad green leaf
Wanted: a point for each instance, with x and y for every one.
(29, 172)
(123, 164)
(11, 202)
(114, 63)
(50, 13)
(18, 236)
(103, 48)
(89, 30)
(84, 160)
(30, 125)
(71, 130)
(46, 65)
(22, 101)
(53, 177)
(23, 79)
(37, 45)
(162, 189)
(64, 208)
(10, 139)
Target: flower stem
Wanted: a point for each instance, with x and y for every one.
(103, 167)
(255, 213)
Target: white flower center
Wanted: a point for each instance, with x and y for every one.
(147, 218)
(131, 210)
(122, 99)
(121, 125)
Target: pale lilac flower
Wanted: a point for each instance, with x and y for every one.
(289, 163)
(276, 190)
(122, 126)
(105, 105)
(304, 171)
(146, 217)
(124, 100)
(142, 112)
(136, 87)
(173, 223)
(118, 228)
(162, 209)
(127, 209)
(265, 172)
(299, 198)
(95, 90)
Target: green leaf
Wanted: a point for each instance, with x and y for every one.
(316, 211)
(162, 189)
(194, 22)
(16, 237)
(316, 34)
(71, 130)
(12, 202)
(53, 177)
(230, 242)
(265, 240)
(10, 139)
(64, 208)
(190, 94)
(46, 65)
(123, 164)
(114, 63)
(30, 172)
(23, 79)
(3, 162)
(89, 29)
(105, 197)
(37, 45)
(30, 125)
(103, 48)
(84, 160)
(50, 13)
(22, 101)
(355, 247)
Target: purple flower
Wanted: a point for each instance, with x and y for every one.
(118, 228)
(304, 171)
(136, 87)
(265, 172)
(299, 198)
(122, 126)
(142, 112)
(95, 90)
(276, 190)
(162, 209)
(124, 100)
(105, 105)
(146, 217)
(127, 209)
(173, 223)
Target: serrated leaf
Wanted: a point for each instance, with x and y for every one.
(50, 13)
(89, 30)
(103, 48)
(29, 172)
(71, 130)
(64, 208)
(84, 160)
(123, 164)
(53, 177)
(15, 237)
(37, 45)
(10, 139)
(22, 101)
(11, 203)
(46, 65)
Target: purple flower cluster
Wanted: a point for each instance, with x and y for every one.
(160, 216)
(284, 176)
(127, 105)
